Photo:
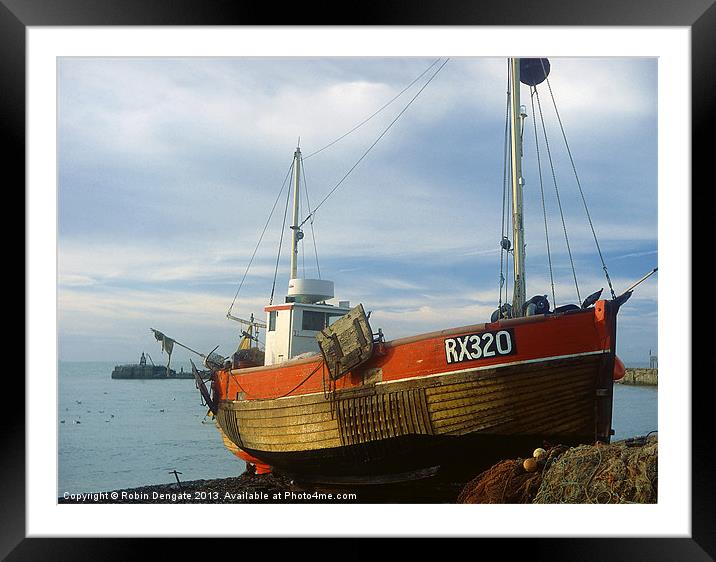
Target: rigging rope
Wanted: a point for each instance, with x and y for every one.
(311, 214)
(299, 242)
(510, 215)
(505, 158)
(375, 113)
(253, 255)
(556, 189)
(541, 189)
(402, 111)
(579, 185)
(313, 233)
(280, 243)
(510, 226)
(303, 257)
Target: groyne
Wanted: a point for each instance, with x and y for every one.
(647, 377)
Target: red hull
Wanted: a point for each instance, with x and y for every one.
(536, 338)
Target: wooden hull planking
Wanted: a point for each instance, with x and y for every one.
(501, 400)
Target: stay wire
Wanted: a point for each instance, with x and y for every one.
(359, 125)
(313, 233)
(510, 226)
(303, 258)
(280, 243)
(510, 215)
(505, 157)
(402, 111)
(556, 190)
(541, 189)
(253, 255)
(579, 185)
(302, 250)
(313, 154)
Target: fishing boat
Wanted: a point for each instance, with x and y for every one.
(330, 400)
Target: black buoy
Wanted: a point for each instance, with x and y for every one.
(536, 305)
(533, 71)
(505, 311)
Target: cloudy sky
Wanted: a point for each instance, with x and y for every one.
(168, 169)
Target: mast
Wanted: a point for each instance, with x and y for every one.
(296, 233)
(518, 233)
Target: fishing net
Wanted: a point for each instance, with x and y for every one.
(505, 482)
(623, 472)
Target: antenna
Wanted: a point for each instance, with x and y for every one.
(248, 336)
(251, 322)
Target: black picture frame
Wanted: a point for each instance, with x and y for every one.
(698, 15)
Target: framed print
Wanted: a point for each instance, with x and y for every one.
(144, 103)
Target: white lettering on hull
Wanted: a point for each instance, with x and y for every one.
(479, 346)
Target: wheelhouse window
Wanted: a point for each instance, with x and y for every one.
(272, 321)
(314, 321)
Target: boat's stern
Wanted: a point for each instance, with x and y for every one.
(605, 315)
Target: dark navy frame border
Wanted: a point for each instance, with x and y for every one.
(16, 15)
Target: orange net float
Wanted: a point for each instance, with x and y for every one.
(619, 369)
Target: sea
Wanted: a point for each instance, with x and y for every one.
(115, 434)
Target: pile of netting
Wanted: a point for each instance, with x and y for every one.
(623, 472)
(509, 481)
(506, 482)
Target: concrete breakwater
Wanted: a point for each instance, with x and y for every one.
(647, 377)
